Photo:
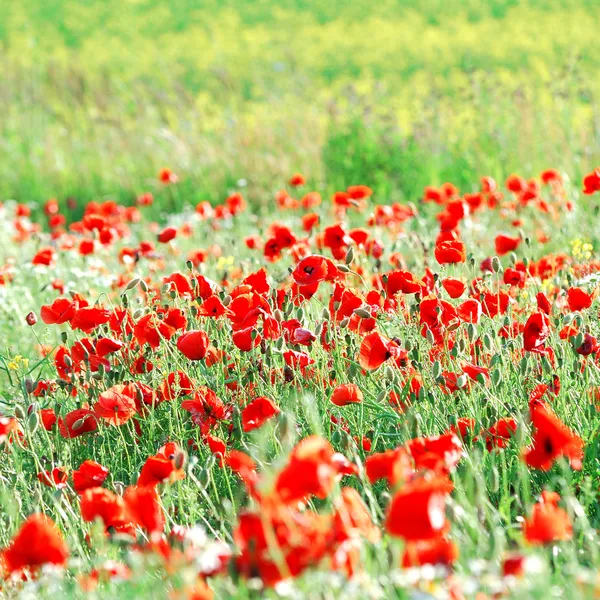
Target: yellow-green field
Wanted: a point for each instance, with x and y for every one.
(97, 96)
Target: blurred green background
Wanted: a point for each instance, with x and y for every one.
(96, 96)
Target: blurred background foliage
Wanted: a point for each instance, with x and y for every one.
(96, 96)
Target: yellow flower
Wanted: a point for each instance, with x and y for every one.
(225, 261)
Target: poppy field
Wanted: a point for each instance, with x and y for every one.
(344, 397)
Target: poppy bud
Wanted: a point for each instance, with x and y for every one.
(349, 256)
(513, 258)
(344, 322)
(496, 266)
(68, 362)
(471, 332)
(189, 264)
(19, 412)
(326, 314)
(389, 374)
(496, 376)
(343, 268)
(408, 345)
(226, 301)
(133, 283)
(204, 477)
(29, 387)
(430, 337)
(363, 312)
(31, 319)
(33, 420)
(143, 286)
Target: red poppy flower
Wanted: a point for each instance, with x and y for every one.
(57, 478)
(548, 522)
(116, 405)
(38, 542)
(193, 344)
(258, 412)
(437, 551)
(100, 503)
(143, 508)
(167, 234)
(90, 474)
(311, 270)
(44, 257)
(536, 332)
(402, 281)
(175, 385)
(165, 175)
(297, 180)
(450, 252)
(375, 350)
(578, 299)
(505, 244)
(551, 440)
(591, 182)
(77, 422)
(418, 509)
(454, 287)
(346, 393)
(60, 311)
(395, 466)
(89, 318)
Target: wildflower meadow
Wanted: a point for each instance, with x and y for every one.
(360, 359)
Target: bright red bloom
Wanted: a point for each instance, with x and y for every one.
(116, 405)
(143, 508)
(505, 244)
(90, 474)
(60, 311)
(193, 344)
(38, 542)
(536, 332)
(455, 287)
(346, 393)
(551, 440)
(77, 422)
(437, 551)
(312, 269)
(578, 299)
(548, 522)
(450, 252)
(418, 509)
(99, 503)
(375, 350)
(165, 175)
(258, 412)
(591, 182)
(167, 234)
